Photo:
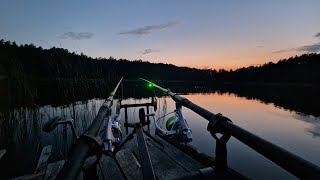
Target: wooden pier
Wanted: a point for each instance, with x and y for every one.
(168, 162)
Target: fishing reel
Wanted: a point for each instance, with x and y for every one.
(54, 122)
(112, 136)
(176, 126)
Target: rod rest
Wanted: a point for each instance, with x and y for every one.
(51, 124)
(54, 122)
(142, 117)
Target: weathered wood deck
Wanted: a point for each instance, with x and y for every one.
(168, 162)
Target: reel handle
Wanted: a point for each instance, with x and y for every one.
(51, 124)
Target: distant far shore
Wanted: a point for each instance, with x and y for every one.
(301, 84)
(248, 83)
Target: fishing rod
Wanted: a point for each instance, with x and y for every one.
(87, 141)
(220, 124)
(176, 126)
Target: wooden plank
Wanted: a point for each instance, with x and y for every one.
(190, 164)
(201, 158)
(53, 169)
(190, 151)
(147, 168)
(163, 165)
(109, 169)
(30, 177)
(89, 168)
(89, 162)
(42, 162)
(2, 152)
(169, 162)
(129, 165)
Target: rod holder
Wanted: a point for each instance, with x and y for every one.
(221, 163)
(54, 122)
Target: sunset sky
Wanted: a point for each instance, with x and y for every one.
(202, 34)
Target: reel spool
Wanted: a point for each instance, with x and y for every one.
(170, 122)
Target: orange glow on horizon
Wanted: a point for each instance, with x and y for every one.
(233, 63)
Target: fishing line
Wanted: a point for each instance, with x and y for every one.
(165, 115)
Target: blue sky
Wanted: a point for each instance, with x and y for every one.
(204, 34)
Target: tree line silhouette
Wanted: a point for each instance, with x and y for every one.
(29, 61)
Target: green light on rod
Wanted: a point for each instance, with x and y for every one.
(150, 85)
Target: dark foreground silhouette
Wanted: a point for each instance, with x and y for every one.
(28, 61)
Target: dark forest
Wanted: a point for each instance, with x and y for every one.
(31, 62)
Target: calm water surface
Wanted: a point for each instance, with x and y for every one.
(21, 135)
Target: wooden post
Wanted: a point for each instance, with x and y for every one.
(221, 158)
(65, 140)
(126, 119)
(148, 119)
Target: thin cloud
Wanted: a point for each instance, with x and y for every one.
(148, 51)
(76, 35)
(310, 48)
(149, 29)
(307, 48)
(284, 50)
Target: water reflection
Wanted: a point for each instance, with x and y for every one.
(314, 128)
(277, 114)
(23, 138)
(304, 99)
(277, 125)
(298, 98)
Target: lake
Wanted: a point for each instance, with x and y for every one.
(293, 124)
